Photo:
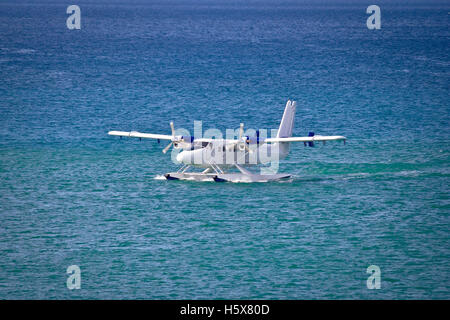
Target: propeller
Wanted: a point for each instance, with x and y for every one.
(241, 130)
(167, 148)
(242, 145)
(173, 138)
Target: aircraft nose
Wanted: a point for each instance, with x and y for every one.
(180, 156)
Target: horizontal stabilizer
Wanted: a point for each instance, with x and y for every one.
(305, 139)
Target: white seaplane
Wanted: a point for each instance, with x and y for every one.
(218, 156)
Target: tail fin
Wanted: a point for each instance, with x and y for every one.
(287, 122)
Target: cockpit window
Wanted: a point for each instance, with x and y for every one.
(200, 145)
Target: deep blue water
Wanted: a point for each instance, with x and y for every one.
(71, 194)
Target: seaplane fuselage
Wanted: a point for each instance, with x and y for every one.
(226, 153)
(217, 154)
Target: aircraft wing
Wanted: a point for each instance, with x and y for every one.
(136, 134)
(305, 139)
(224, 141)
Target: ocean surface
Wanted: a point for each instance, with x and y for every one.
(72, 195)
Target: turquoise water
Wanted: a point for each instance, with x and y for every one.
(70, 194)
